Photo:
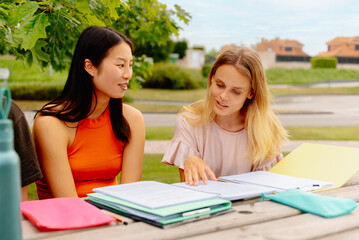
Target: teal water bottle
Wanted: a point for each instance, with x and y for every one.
(10, 217)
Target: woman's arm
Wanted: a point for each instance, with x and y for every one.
(51, 138)
(134, 149)
(24, 194)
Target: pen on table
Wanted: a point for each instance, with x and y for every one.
(309, 187)
(115, 216)
(220, 180)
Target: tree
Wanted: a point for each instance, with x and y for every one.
(150, 24)
(211, 56)
(45, 32)
(180, 48)
(158, 52)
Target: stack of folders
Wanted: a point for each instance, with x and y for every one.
(156, 203)
(253, 184)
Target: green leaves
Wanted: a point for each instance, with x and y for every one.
(45, 32)
(24, 11)
(37, 52)
(142, 69)
(83, 7)
(32, 29)
(182, 14)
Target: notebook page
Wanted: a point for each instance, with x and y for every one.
(153, 194)
(229, 191)
(279, 181)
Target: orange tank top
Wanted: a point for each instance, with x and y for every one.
(95, 157)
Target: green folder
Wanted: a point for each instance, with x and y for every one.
(163, 216)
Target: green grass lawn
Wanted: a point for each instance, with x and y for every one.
(312, 91)
(324, 133)
(302, 76)
(19, 72)
(296, 133)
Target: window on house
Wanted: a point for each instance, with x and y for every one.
(288, 49)
(328, 48)
(356, 47)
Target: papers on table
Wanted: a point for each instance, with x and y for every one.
(278, 181)
(310, 167)
(252, 184)
(159, 204)
(153, 194)
(229, 191)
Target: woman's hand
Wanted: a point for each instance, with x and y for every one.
(196, 169)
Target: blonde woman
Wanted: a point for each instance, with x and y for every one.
(233, 130)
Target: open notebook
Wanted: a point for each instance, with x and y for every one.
(253, 184)
(159, 204)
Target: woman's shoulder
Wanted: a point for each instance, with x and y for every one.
(130, 111)
(48, 121)
(186, 121)
(187, 114)
(47, 127)
(132, 114)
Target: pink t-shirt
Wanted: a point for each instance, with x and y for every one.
(226, 153)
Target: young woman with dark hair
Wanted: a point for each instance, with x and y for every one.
(87, 136)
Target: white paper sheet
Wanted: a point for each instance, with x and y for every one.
(277, 181)
(153, 194)
(230, 191)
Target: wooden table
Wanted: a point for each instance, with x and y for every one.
(252, 219)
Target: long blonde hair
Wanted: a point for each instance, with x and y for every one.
(266, 134)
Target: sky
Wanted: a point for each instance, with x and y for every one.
(216, 23)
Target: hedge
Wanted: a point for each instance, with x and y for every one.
(324, 62)
(206, 69)
(171, 76)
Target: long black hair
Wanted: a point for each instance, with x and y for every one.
(74, 103)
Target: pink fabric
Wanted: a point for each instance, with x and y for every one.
(225, 152)
(63, 213)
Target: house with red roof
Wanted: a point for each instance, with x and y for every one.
(285, 50)
(345, 49)
(282, 53)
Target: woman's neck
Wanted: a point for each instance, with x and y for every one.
(233, 123)
(100, 107)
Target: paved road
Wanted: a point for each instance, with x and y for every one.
(316, 110)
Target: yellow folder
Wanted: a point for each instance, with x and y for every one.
(335, 164)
